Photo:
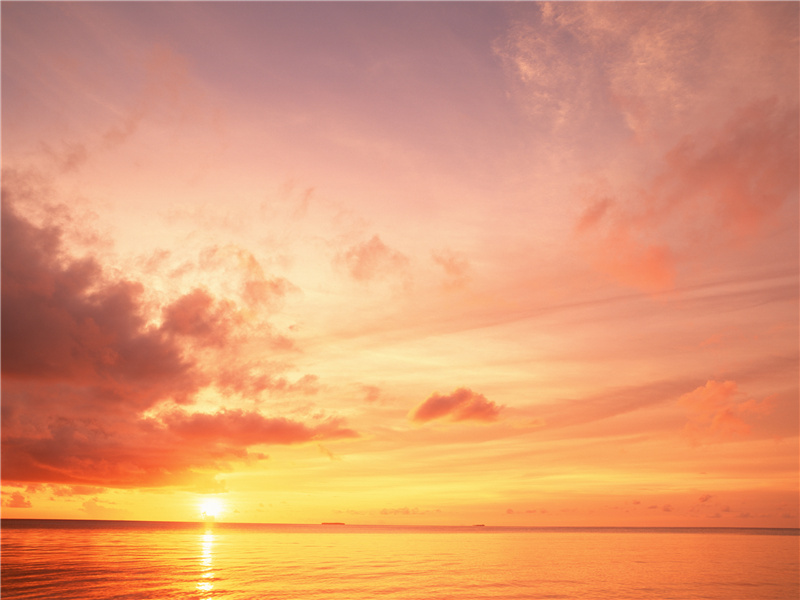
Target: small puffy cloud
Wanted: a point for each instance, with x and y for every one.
(462, 405)
(16, 500)
(705, 498)
(716, 413)
(373, 259)
(372, 393)
(456, 267)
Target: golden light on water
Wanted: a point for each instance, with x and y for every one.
(206, 583)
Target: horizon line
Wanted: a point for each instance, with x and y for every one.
(479, 526)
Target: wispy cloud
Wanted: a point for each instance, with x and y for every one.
(373, 260)
(717, 412)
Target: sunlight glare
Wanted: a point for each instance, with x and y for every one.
(211, 508)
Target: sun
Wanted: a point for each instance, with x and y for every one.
(210, 508)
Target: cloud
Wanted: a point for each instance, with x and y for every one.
(250, 380)
(176, 448)
(656, 68)
(16, 500)
(194, 315)
(715, 190)
(633, 261)
(243, 428)
(327, 452)
(96, 388)
(65, 324)
(372, 393)
(373, 259)
(456, 267)
(705, 498)
(168, 89)
(716, 413)
(744, 171)
(462, 405)
(76, 490)
(250, 282)
(709, 90)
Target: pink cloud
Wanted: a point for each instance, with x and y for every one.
(373, 259)
(747, 169)
(716, 189)
(195, 315)
(654, 67)
(462, 405)
(455, 266)
(715, 412)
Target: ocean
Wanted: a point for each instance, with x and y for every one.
(93, 560)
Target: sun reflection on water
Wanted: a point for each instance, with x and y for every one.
(206, 583)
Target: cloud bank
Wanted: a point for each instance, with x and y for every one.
(97, 385)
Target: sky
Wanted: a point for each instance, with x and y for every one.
(404, 263)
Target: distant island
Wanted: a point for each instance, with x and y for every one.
(333, 523)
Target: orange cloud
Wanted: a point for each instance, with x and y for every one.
(92, 390)
(462, 405)
(715, 413)
(76, 490)
(16, 500)
(243, 428)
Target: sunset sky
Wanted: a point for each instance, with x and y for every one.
(403, 263)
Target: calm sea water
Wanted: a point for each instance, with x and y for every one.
(93, 560)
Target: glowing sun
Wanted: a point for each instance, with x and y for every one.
(210, 508)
